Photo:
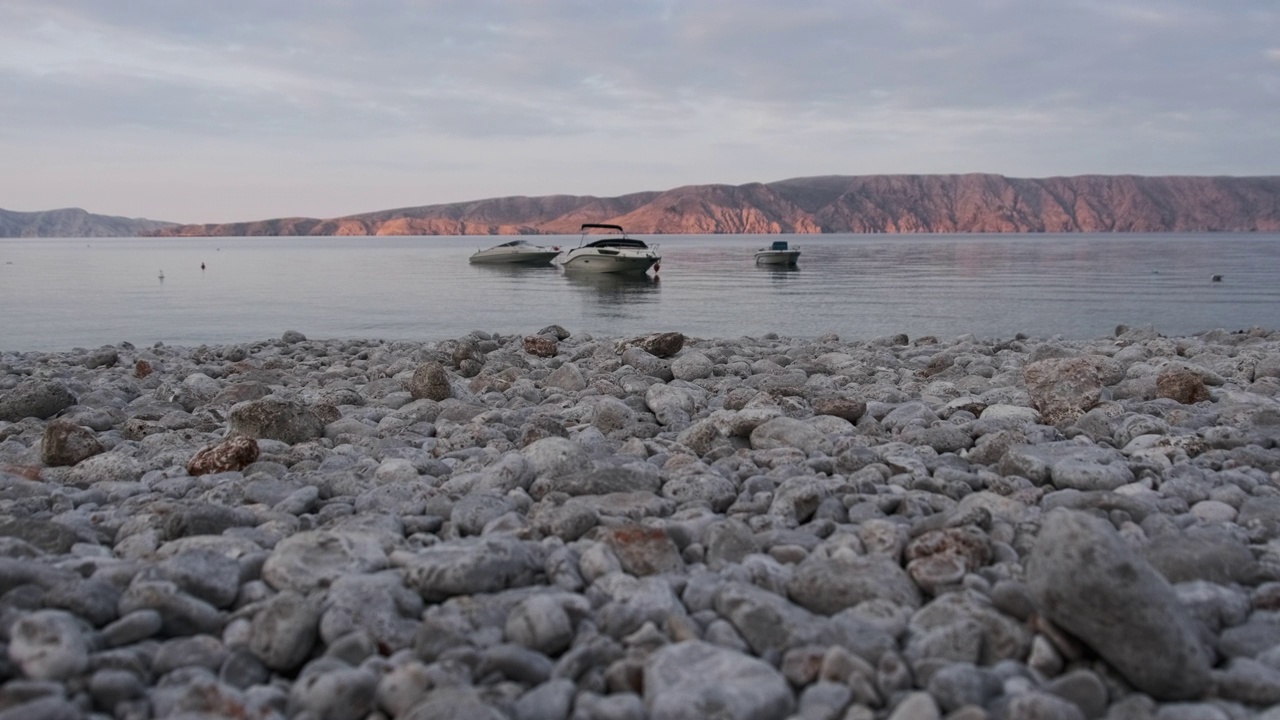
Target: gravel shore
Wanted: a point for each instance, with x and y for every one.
(560, 526)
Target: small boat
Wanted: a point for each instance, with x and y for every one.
(612, 254)
(520, 252)
(779, 253)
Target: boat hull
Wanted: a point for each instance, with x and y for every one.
(541, 257)
(622, 263)
(777, 257)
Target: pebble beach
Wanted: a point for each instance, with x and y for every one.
(555, 525)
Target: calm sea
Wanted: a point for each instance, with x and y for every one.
(62, 294)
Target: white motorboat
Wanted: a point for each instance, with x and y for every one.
(613, 254)
(520, 252)
(778, 253)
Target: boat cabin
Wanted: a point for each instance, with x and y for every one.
(620, 242)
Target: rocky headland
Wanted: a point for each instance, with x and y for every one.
(560, 526)
(972, 203)
(74, 222)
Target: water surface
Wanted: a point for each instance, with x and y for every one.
(60, 294)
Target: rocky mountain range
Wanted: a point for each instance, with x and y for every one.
(74, 222)
(973, 203)
(979, 203)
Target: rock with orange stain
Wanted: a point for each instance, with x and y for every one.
(232, 455)
(541, 345)
(1063, 389)
(1182, 385)
(644, 550)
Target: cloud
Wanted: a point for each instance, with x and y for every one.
(503, 98)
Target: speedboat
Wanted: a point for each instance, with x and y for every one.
(612, 254)
(515, 252)
(779, 253)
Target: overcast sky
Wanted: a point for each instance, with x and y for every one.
(202, 111)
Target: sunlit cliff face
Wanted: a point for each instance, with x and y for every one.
(975, 203)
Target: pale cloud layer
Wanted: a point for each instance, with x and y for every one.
(199, 111)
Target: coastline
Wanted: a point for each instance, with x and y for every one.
(558, 525)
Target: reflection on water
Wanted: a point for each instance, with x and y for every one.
(611, 296)
(613, 285)
(513, 272)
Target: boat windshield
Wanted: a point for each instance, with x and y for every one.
(620, 242)
(514, 243)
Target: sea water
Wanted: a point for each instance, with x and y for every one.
(59, 294)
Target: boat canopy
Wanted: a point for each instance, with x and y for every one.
(778, 245)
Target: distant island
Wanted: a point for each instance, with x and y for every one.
(972, 203)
